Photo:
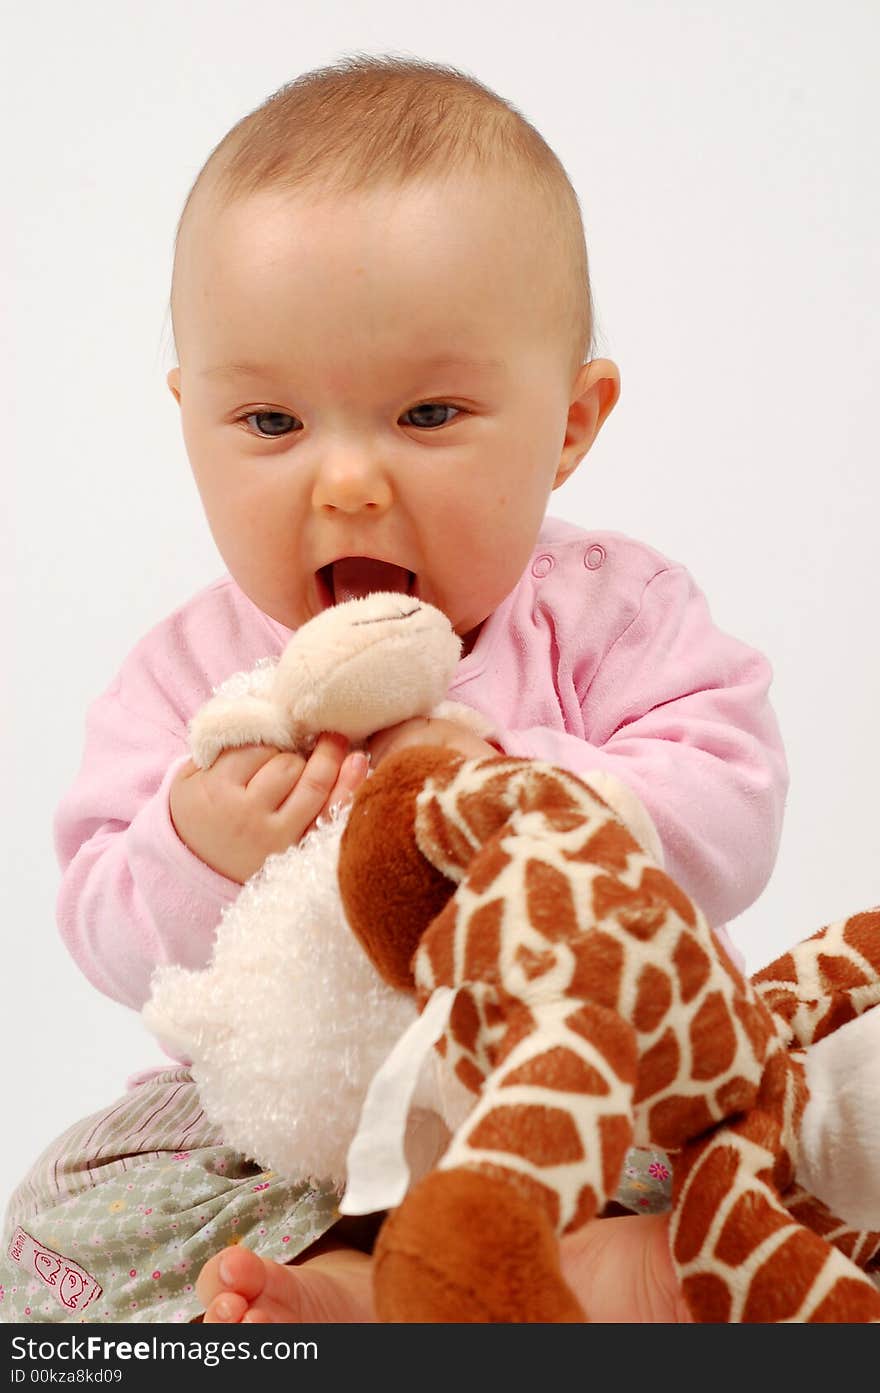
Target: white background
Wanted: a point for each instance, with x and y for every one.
(726, 159)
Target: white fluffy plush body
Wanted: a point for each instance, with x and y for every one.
(290, 1022)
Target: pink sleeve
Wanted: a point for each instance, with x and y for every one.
(132, 895)
(678, 710)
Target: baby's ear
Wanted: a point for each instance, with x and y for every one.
(594, 395)
(173, 380)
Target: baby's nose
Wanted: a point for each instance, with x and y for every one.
(350, 484)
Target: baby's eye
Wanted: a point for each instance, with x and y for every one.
(431, 406)
(270, 416)
(270, 424)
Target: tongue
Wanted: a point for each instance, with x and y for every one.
(356, 576)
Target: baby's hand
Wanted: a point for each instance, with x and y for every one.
(258, 800)
(428, 730)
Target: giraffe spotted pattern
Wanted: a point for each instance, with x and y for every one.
(595, 1011)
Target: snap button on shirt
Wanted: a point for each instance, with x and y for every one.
(542, 565)
(593, 557)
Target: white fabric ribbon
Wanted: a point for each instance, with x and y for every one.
(378, 1173)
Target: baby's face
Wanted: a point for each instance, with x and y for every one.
(376, 377)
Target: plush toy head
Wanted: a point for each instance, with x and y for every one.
(586, 1006)
(355, 668)
(367, 664)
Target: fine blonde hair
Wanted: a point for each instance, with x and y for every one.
(382, 120)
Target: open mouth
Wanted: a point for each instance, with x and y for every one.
(352, 577)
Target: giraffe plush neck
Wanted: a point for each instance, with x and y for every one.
(592, 1010)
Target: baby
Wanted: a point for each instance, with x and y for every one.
(382, 318)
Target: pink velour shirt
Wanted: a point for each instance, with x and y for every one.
(604, 656)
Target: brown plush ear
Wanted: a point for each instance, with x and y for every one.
(390, 892)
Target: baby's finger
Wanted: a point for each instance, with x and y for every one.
(355, 768)
(274, 781)
(316, 781)
(352, 773)
(239, 765)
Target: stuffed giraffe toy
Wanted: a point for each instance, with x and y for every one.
(589, 1009)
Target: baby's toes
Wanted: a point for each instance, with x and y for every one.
(294, 1296)
(226, 1309)
(268, 1312)
(236, 1271)
(334, 1288)
(208, 1284)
